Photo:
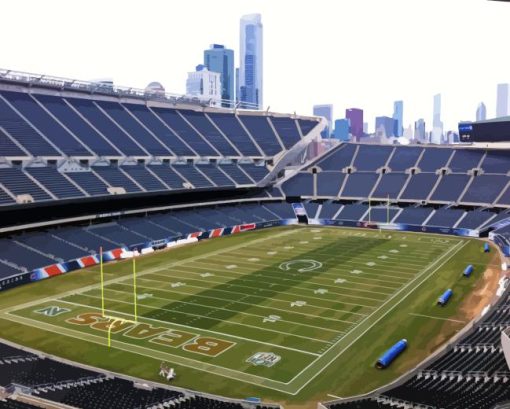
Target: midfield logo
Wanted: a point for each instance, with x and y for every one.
(267, 359)
(52, 311)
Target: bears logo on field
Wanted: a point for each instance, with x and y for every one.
(267, 359)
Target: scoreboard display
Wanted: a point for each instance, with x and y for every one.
(488, 131)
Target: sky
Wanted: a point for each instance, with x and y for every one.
(350, 53)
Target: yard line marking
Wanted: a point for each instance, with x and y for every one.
(216, 333)
(278, 277)
(442, 260)
(205, 316)
(258, 282)
(245, 303)
(149, 271)
(437, 318)
(275, 299)
(214, 308)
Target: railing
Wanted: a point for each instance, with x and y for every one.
(109, 89)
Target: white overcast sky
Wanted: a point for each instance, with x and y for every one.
(351, 53)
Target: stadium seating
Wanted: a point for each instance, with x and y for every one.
(287, 130)
(261, 131)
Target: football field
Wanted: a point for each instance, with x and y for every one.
(272, 311)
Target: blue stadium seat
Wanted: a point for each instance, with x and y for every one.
(329, 183)
(359, 185)
(413, 215)
(23, 256)
(137, 131)
(120, 139)
(144, 177)
(445, 217)
(485, 189)
(299, 185)
(450, 188)
(434, 159)
(390, 185)
(496, 162)
(115, 178)
(46, 124)
(256, 172)
(287, 130)
(192, 175)
(352, 212)
(404, 158)
(168, 175)
(307, 125)
(18, 183)
(215, 175)
(232, 129)
(370, 159)
(89, 182)
(158, 129)
(236, 173)
(475, 219)
(282, 210)
(24, 133)
(72, 121)
(419, 186)
(187, 134)
(381, 214)
(465, 160)
(203, 125)
(5, 199)
(338, 158)
(55, 182)
(8, 147)
(329, 209)
(261, 131)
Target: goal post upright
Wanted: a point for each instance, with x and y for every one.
(135, 299)
(102, 278)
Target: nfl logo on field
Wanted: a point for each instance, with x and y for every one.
(264, 359)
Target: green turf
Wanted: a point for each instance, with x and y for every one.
(225, 289)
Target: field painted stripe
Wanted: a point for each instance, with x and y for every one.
(148, 352)
(173, 324)
(325, 360)
(278, 277)
(437, 318)
(278, 292)
(183, 275)
(293, 311)
(212, 308)
(274, 299)
(201, 316)
(152, 270)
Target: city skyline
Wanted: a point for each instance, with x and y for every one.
(294, 76)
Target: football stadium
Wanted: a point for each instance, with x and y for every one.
(179, 251)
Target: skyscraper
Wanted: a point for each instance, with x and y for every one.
(385, 126)
(250, 71)
(341, 130)
(355, 117)
(398, 116)
(325, 110)
(437, 124)
(420, 133)
(205, 84)
(502, 101)
(481, 112)
(221, 60)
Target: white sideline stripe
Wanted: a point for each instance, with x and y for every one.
(437, 318)
(202, 316)
(445, 256)
(212, 308)
(183, 276)
(148, 271)
(294, 311)
(219, 334)
(273, 299)
(278, 278)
